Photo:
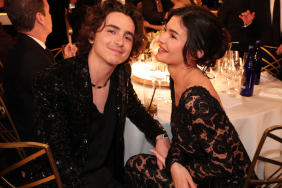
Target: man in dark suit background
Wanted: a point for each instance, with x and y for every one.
(263, 21)
(27, 56)
(229, 19)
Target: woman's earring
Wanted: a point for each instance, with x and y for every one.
(202, 55)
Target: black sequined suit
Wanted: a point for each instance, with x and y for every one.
(63, 106)
(204, 142)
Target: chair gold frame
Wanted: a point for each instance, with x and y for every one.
(270, 182)
(270, 65)
(44, 149)
(68, 26)
(69, 31)
(9, 135)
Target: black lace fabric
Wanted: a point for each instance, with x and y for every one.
(204, 142)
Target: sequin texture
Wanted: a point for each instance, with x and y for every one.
(63, 109)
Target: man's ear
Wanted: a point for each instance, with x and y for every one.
(40, 18)
(91, 38)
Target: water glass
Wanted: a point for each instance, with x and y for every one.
(151, 102)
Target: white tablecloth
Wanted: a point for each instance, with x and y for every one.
(250, 119)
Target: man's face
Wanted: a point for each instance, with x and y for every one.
(48, 19)
(113, 44)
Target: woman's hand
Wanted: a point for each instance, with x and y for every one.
(181, 177)
(159, 156)
(162, 147)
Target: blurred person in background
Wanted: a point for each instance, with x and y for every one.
(229, 19)
(176, 4)
(263, 22)
(25, 59)
(155, 11)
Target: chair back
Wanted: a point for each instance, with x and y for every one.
(274, 180)
(11, 134)
(44, 149)
(68, 26)
(271, 67)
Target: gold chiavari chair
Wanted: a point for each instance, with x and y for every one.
(275, 179)
(69, 32)
(44, 149)
(11, 134)
(271, 67)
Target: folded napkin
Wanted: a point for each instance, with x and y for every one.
(267, 77)
(227, 101)
(271, 92)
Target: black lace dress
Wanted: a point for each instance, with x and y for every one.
(204, 142)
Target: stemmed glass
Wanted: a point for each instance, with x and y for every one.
(238, 65)
(228, 72)
(168, 81)
(152, 67)
(160, 76)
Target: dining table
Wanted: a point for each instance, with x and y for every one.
(249, 115)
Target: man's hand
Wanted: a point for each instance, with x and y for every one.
(247, 17)
(279, 50)
(70, 50)
(181, 177)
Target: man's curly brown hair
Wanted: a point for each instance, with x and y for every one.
(96, 16)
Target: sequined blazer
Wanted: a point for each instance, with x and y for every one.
(63, 110)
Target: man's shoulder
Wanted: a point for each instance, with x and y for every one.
(64, 68)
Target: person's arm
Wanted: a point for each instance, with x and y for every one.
(52, 127)
(70, 50)
(216, 137)
(156, 27)
(139, 116)
(150, 13)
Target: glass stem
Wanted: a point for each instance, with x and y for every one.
(160, 89)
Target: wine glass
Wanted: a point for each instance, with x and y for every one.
(168, 81)
(160, 76)
(228, 72)
(152, 67)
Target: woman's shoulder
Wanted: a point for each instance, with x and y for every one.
(204, 93)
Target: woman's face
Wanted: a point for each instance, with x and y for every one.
(172, 42)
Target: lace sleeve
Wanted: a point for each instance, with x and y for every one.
(174, 155)
(215, 135)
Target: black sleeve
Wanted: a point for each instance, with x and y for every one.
(51, 119)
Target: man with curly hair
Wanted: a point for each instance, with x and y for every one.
(82, 103)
